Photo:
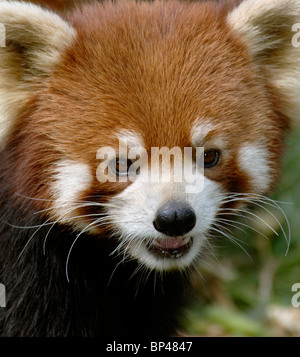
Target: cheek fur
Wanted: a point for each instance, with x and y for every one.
(247, 170)
(254, 161)
(71, 180)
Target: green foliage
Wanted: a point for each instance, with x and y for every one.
(251, 289)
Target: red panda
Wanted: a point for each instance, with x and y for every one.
(82, 257)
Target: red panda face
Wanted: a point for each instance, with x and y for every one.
(160, 75)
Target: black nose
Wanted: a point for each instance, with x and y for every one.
(175, 219)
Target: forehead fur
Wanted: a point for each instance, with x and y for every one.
(153, 68)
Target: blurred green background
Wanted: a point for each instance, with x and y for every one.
(241, 295)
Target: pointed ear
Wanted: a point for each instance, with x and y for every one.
(32, 41)
(34, 37)
(268, 29)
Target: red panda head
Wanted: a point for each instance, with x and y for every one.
(152, 75)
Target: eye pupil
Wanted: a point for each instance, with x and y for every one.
(211, 158)
(122, 166)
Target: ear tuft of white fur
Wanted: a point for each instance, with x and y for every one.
(268, 29)
(33, 43)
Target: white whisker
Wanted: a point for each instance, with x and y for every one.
(232, 239)
(260, 201)
(72, 245)
(244, 225)
(252, 214)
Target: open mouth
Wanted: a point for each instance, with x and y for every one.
(174, 247)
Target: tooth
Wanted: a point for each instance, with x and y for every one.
(186, 240)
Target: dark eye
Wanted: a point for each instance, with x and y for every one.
(211, 158)
(121, 166)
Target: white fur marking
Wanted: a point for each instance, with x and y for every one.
(199, 132)
(254, 161)
(133, 211)
(71, 179)
(133, 139)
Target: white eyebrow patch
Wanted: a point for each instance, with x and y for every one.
(132, 139)
(254, 160)
(200, 131)
(71, 179)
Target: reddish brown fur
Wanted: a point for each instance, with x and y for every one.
(58, 5)
(152, 68)
(156, 69)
